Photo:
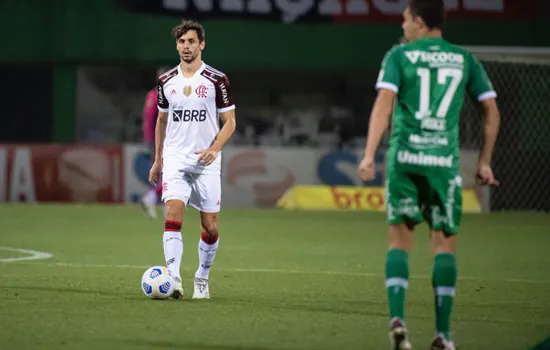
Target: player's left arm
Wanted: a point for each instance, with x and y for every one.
(207, 156)
(491, 116)
(228, 128)
(388, 84)
(481, 89)
(226, 112)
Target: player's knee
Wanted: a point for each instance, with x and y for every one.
(210, 229)
(209, 234)
(443, 242)
(209, 225)
(171, 213)
(401, 237)
(174, 210)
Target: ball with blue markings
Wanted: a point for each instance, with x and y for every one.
(156, 283)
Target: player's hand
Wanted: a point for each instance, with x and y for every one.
(154, 173)
(207, 156)
(366, 169)
(485, 175)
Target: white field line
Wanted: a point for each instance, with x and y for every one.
(32, 255)
(284, 271)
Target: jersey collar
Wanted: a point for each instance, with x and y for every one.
(180, 72)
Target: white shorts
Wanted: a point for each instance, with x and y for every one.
(201, 191)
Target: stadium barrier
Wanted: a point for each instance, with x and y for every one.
(347, 198)
(252, 177)
(61, 173)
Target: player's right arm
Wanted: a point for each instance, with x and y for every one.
(480, 88)
(160, 133)
(389, 81)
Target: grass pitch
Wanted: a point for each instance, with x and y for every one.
(281, 280)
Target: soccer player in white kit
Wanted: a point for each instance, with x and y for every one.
(192, 98)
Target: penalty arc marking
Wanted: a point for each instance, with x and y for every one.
(31, 255)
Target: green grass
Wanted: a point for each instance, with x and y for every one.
(281, 280)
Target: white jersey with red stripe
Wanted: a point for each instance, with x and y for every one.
(193, 105)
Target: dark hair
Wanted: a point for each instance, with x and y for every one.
(432, 12)
(186, 26)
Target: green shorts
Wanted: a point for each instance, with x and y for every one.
(437, 198)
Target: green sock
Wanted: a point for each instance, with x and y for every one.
(397, 280)
(444, 282)
(545, 345)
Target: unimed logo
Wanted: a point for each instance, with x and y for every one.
(357, 198)
(425, 159)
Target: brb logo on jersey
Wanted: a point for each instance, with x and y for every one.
(189, 115)
(201, 91)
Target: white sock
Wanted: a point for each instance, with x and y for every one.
(173, 251)
(207, 253)
(151, 197)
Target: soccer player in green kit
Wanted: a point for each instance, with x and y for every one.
(422, 85)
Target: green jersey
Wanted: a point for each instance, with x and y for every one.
(430, 77)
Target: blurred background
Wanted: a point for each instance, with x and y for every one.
(74, 75)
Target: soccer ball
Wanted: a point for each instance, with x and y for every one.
(157, 283)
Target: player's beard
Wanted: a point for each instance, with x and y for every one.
(190, 60)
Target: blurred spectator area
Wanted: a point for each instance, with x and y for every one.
(27, 98)
(275, 108)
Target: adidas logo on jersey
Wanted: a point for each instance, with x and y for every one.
(435, 57)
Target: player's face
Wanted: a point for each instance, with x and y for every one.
(411, 26)
(189, 47)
